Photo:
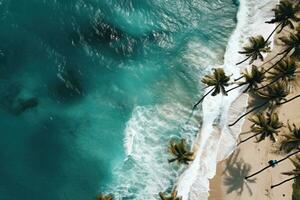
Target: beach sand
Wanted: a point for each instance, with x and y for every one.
(229, 182)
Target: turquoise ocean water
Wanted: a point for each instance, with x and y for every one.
(91, 92)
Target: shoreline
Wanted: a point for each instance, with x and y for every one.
(209, 146)
(256, 156)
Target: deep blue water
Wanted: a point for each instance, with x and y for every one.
(78, 77)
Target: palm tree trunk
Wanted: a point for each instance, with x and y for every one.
(172, 160)
(243, 60)
(295, 97)
(272, 186)
(250, 111)
(279, 161)
(235, 87)
(239, 78)
(242, 141)
(273, 32)
(203, 98)
(284, 55)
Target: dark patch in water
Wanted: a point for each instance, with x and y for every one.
(69, 87)
(25, 104)
(102, 35)
(12, 103)
(106, 32)
(236, 3)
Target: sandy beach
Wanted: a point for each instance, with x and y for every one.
(215, 140)
(250, 157)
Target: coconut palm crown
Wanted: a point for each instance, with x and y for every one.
(291, 41)
(253, 78)
(257, 45)
(275, 93)
(172, 197)
(285, 13)
(285, 70)
(219, 80)
(180, 151)
(266, 125)
(272, 95)
(291, 140)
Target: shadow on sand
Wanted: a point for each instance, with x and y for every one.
(235, 172)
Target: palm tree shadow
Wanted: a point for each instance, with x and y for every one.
(235, 172)
(255, 101)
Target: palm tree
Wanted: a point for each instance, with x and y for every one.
(273, 95)
(218, 81)
(105, 197)
(272, 164)
(291, 140)
(253, 78)
(172, 197)
(180, 151)
(291, 42)
(257, 45)
(264, 125)
(284, 70)
(295, 172)
(285, 13)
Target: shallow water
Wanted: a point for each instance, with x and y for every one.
(91, 92)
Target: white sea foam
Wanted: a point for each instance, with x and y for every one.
(215, 140)
(129, 137)
(145, 171)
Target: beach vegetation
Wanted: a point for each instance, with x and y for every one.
(264, 125)
(291, 140)
(285, 14)
(286, 70)
(179, 150)
(272, 96)
(252, 78)
(254, 49)
(269, 85)
(173, 196)
(218, 81)
(291, 43)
